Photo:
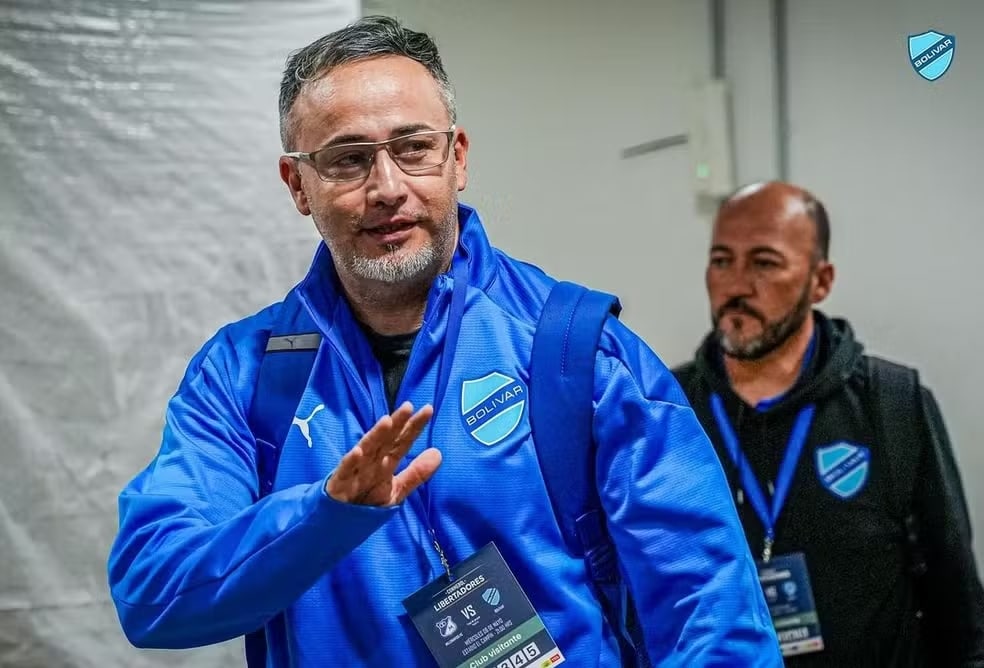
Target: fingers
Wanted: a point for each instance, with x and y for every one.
(349, 478)
(416, 474)
(366, 471)
(393, 436)
(411, 430)
(379, 440)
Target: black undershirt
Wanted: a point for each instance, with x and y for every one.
(393, 353)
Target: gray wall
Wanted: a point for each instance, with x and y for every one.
(544, 84)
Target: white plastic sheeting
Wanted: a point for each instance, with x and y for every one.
(140, 209)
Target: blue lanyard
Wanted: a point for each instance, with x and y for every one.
(455, 316)
(458, 291)
(794, 448)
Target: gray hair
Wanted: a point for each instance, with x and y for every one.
(369, 37)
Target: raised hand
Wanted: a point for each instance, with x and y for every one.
(365, 474)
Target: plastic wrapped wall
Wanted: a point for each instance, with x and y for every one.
(140, 209)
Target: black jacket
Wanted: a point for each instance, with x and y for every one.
(872, 610)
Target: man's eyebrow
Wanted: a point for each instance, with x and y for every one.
(765, 249)
(361, 138)
(721, 248)
(410, 129)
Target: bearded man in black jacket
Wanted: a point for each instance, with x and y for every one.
(842, 469)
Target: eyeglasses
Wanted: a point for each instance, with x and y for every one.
(413, 153)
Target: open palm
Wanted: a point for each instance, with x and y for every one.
(365, 476)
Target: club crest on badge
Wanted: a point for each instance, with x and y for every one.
(843, 468)
(491, 596)
(492, 406)
(446, 626)
(931, 53)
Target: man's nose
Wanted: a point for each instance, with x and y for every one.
(386, 184)
(737, 281)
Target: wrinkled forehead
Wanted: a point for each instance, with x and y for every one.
(368, 100)
(782, 223)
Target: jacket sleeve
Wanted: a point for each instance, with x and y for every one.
(197, 559)
(672, 518)
(951, 591)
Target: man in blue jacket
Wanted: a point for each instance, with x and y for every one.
(408, 520)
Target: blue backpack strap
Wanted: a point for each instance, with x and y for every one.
(561, 407)
(561, 414)
(284, 372)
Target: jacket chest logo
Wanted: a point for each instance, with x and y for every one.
(843, 468)
(304, 424)
(492, 406)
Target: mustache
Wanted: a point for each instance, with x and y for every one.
(738, 305)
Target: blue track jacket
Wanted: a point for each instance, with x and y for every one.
(200, 560)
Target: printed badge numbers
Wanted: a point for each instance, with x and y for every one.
(482, 619)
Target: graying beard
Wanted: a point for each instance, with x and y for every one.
(389, 269)
(774, 335)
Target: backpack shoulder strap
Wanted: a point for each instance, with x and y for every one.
(288, 357)
(895, 398)
(561, 415)
(561, 406)
(284, 371)
(896, 394)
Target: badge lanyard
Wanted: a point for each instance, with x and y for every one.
(794, 448)
(458, 293)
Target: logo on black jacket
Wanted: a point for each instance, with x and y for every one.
(843, 468)
(492, 406)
